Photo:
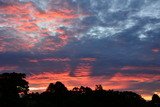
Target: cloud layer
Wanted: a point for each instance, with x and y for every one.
(83, 42)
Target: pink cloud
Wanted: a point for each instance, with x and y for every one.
(128, 68)
(155, 50)
(43, 79)
(8, 68)
(119, 81)
(33, 27)
(135, 77)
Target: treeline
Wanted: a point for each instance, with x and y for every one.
(14, 93)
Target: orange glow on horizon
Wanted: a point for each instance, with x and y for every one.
(39, 82)
(43, 79)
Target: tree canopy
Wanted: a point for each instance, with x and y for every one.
(12, 84)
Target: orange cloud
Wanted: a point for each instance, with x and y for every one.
(135, 77)
(83, 70)
(15, 43)
(28, 27)
(34, 25)
(49, 15)
(43, 79)
(39, 82)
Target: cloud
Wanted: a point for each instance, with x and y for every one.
(82, 42)
(117, 82)
(50, 25)
(8, 68)
(139, 68)
(42, 30)
(135, 77)
(46, 78)
(50, 60)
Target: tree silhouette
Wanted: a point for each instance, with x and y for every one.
(51, 88)
(11, 84)
(99, 87)
(57, 95)
(156, 99)
(75, 89)
(57, 88)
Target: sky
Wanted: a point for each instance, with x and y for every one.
(83, 42)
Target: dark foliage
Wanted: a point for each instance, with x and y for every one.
(13, 84)
(57, 95)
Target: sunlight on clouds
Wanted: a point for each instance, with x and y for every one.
(83, 42)
(110, 31)
(151, 10)
(135, 77)
(34, 25)
(49, 77)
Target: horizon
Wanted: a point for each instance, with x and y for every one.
(43, 89)
(46, 78)
(83, 43)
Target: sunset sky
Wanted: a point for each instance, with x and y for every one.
(115, 43)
